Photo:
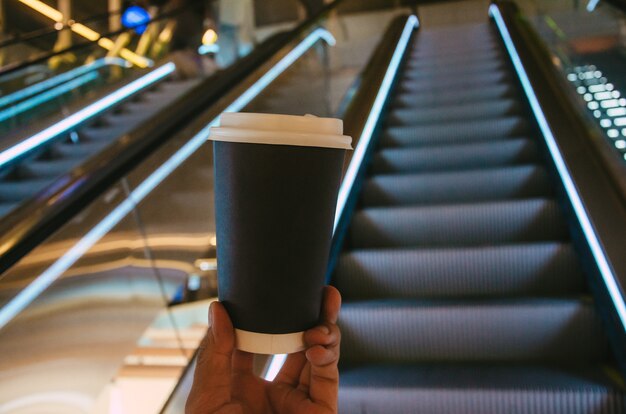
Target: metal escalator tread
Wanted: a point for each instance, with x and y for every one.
(449, 187)
(474, 224)
(456, 132)
(488, 55)
(454, 97)
(462, 290)
(535, 269)
(455, 157)
(526, 329)
(455, 112)
(18, 190)
(424, 85)
(447, 52)
(48, 167)
(7, 207)
(479, 389)
(454, 71)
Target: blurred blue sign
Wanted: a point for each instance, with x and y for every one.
(136, 17)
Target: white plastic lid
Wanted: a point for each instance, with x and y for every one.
(303, 131)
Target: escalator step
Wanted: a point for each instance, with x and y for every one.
(127, 119)
(7, 207)
(426, 50)
(459, 225)
(474, 81)
(452, 59)
(458, 186)
(469, 53)
(454, 97)
(455, 112)
(455, 132)
(556, 330)
(81, 150)
(105, 134)
(451, 38)
(480, 389)
(16, 191)
(538, 269)
(453, 71)
(51, 168)
(455, 157)
(443, 79)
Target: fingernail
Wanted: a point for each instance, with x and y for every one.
(212, 321)
(211, 312)
(324, 329)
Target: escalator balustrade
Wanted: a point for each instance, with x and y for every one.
(462, 290)
(33, 174)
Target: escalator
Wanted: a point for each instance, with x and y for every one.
(463, 290)
(53, 125)
(23, 180)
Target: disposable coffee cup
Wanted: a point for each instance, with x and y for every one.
(276, 183)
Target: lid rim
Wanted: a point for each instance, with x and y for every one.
(269, 137)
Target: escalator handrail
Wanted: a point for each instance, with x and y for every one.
(49, 83)
(14, 67)
(23, 229)
(593, 180)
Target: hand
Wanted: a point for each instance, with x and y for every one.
(308, 382)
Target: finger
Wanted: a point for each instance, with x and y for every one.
(331, 304)
(305, 378)
(324, 377)
(323, 334)
(242, 362)
(290, 372)
(212, 376)
(320, 356)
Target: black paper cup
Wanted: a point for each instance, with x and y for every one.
(276, 183)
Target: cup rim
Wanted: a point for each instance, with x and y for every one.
(249, 136)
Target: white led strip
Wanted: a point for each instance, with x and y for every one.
(87, 112)
(63, 77)
(372, 119)
(52, 93)
(572, 192)
(45, 279)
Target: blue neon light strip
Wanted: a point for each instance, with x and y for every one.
(598, 254)
(44, 280)
(84, 114)
(372, 119)
(50, 94)
(59, 79)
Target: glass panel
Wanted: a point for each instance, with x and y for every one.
(72, 311)
(588, 40)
